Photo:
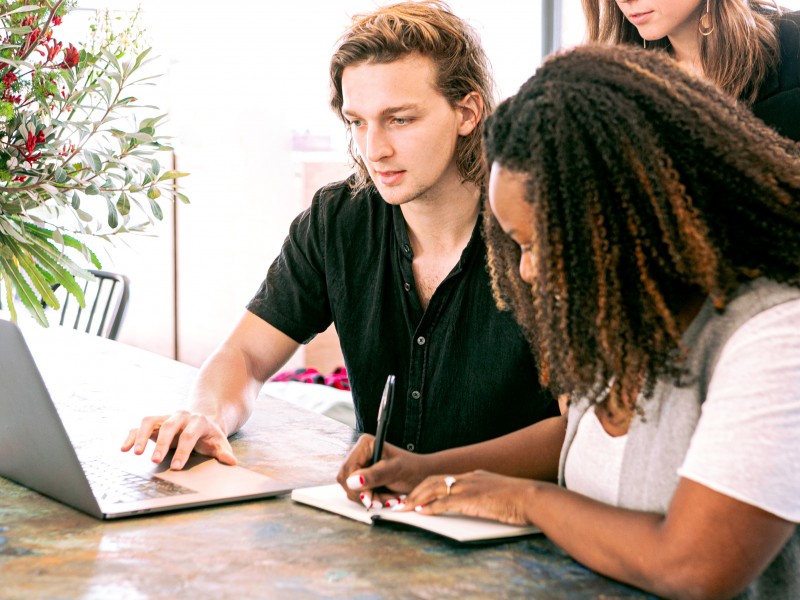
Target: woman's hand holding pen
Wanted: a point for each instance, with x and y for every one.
(398, 471)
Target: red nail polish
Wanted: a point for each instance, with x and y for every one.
(361, 480)
(361, 496)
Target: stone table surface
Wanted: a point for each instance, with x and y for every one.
(270, 548)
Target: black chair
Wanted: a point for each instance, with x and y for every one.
(106, 299)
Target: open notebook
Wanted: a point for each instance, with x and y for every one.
(457, 527)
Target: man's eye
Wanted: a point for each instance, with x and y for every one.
(355, 123)
(401, 121)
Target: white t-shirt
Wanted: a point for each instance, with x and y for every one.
(594, 462)
(747, 441)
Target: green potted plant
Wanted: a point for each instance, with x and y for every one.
(71, 146)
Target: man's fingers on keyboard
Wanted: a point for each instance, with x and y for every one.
(182, 452)
(128, 443)
(148, 428)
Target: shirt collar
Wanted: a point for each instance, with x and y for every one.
(404, 244)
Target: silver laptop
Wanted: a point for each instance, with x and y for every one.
(36, 452)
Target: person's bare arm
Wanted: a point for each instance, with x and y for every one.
(222, 398)
(708, 545)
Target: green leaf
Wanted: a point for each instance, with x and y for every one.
(156, 209)
(173, 175)
(49, 260)
(42, 236)
(111, 59)
(25, 294)
(35, 276)
(141, 137)
(61, 175)
(140, 58)
(21, 9)
(94, 160)
(113, 215)
(92, 190)
(124, 204)
(9, 296)
(76, 200)
(107, 91)
(8, 229)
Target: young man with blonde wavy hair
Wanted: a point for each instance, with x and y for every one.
(393, 256)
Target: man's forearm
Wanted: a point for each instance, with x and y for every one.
(225, 390)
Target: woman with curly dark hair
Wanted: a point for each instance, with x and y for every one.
(749, 48)
(646, 234)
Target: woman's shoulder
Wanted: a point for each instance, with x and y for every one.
(789, 40)
(778, 99)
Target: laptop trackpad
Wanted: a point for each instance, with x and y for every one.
(207, 476)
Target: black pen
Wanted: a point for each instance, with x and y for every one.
(384, 413)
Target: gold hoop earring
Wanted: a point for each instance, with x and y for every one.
(706, 27)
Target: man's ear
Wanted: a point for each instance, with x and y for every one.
(470, 109)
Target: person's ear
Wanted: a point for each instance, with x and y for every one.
(470, 110)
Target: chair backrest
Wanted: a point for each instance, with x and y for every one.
(106, 300)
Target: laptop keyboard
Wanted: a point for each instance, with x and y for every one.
(112, 484)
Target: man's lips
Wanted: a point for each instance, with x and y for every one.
(390, 177)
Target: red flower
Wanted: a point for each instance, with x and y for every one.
(52, 51)
(30, 144)
(71, 57)
(56, 20)
(9, 78)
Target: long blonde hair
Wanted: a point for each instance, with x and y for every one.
(737, 56)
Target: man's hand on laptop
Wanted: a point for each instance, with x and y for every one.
(183, 431)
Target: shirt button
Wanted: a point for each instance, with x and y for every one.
(407, 286)
(421, 341)
(406, 248)
(410, 447)
(415, 395)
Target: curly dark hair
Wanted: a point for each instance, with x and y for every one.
(648, 187)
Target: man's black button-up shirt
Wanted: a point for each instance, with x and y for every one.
(464, 372)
